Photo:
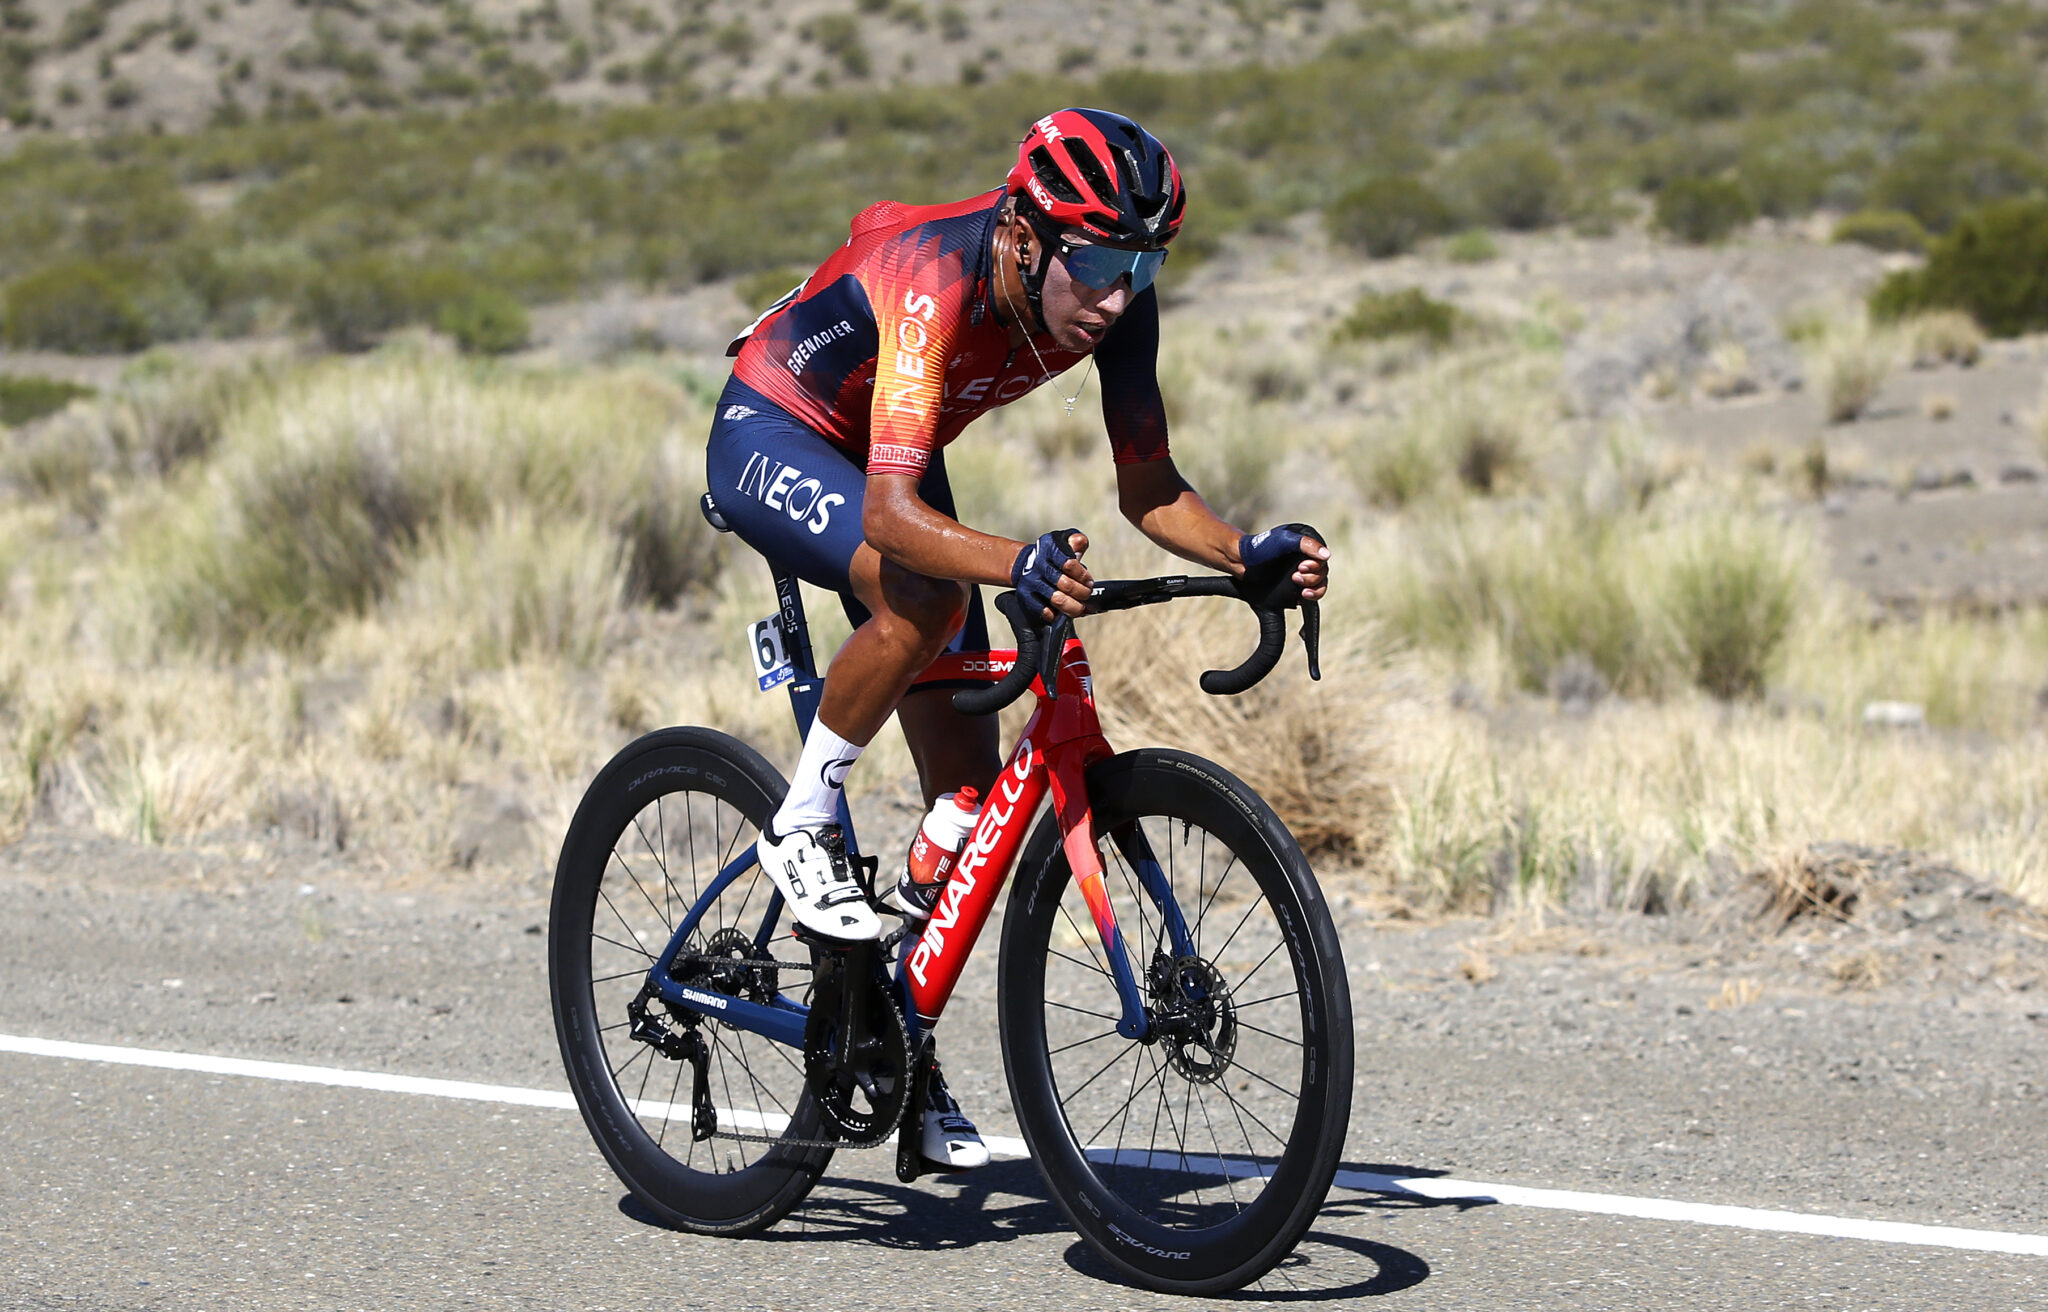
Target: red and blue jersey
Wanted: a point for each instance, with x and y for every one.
(893, 346)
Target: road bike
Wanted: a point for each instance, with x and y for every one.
(1171, 996)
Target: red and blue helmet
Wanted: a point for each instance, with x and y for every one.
(1099, 173)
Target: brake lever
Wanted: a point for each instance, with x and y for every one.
(1311, 636)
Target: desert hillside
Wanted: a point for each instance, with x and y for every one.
(179, 64)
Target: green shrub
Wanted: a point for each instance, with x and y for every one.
(81, 307)
(1994, 265)
(354, 302)
(25, 398)
(758, 291)
(1653, 606)
(484, 321)
(1730, 594)
(1387, 216)
(1703, 210)
(1473, 246)
(1882, 230)
(1381, 315)
(1938, 181)
(1511, 182)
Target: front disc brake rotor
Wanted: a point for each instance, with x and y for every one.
(1196, 1017)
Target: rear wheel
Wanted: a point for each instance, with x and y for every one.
(1197, 1159)
(651, 835)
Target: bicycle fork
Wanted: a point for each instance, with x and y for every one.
(1084, 861)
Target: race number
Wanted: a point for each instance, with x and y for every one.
(771, 663)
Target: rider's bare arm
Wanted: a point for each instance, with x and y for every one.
(1154, 496)
(899, 525)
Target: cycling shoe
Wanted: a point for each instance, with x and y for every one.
(810, 866)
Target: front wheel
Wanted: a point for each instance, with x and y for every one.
(1193, 1160)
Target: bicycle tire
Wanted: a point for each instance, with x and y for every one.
(1057, 1009)
(679, 802)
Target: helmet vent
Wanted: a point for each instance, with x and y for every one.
(1091, 171)
(1055, 181)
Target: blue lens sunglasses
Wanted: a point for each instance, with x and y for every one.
(1099, 267)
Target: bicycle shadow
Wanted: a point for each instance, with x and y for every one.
(1005, 1201)
(1310, 1276)
(997, 1203)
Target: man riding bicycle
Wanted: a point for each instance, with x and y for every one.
(826, 456)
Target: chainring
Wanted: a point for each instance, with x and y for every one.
(862, 1093)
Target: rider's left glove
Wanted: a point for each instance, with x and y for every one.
(1279, 543)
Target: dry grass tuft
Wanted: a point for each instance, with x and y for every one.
(1808, 884)
(1859, 970)
(1943, 337)
(1851, 361)
(1475, 965)
(1312, 750)
(1736, 994)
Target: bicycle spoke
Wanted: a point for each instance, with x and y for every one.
(1260, 1029)
(1081, 1043)
(1083, 1010)
(661, 830)
(1262, 964)
(630, 874)
(1257, 902)
(624, 947)
(673, 1091)
(1124, 1109)
(1202, 916)
(1098, 1074)
(1222, 1169)
(690, 828)
(1291, 1094)
(1086, 941)
(667, 885)
(1241, 1111)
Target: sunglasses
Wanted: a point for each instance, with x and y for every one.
(1098, 267)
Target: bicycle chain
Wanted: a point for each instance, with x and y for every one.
(743, 963)
(742, 1136)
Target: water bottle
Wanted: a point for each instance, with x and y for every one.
(934, 849)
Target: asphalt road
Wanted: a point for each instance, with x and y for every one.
(130, 1187)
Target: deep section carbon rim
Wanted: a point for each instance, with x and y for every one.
(658, 868)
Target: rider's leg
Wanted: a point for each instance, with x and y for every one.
(911, 619)
(951, 750)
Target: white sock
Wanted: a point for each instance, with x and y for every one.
(820, 775)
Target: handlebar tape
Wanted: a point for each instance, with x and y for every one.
(994, 697)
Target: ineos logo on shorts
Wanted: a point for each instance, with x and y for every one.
(785, 488)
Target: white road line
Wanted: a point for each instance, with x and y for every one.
(293, 1074)
(1440, 1188)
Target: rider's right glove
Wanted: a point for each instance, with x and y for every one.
(1038, 568)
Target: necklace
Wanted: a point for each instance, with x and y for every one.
(1044, 373)
(1071, 401)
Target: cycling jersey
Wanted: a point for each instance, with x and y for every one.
(893, 345)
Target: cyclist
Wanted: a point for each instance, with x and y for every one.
(826, 456)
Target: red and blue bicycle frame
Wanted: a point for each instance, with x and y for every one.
(1061, 740)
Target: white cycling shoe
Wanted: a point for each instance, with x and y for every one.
(809, 865)
(950, 1141)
